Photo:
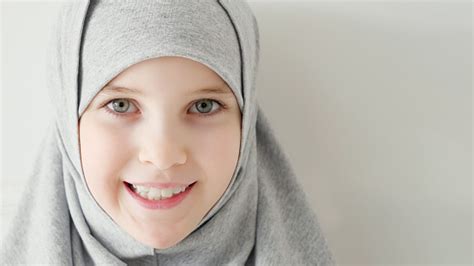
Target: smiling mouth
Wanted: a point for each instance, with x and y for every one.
(153, 200)
(156, 194)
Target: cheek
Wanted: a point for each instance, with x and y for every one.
(217, 151)
(103, 152)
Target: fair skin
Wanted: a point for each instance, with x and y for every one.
(160, 136)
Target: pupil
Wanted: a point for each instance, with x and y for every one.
(204, 104)
(120, 106)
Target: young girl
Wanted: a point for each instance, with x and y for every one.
(160, 154)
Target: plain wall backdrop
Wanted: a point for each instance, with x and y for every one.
(371, 100)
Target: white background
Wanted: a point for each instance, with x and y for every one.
(371, 100)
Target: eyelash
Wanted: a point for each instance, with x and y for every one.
(118, 114)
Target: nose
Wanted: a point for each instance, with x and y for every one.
(161, 146)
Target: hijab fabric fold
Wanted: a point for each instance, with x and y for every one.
(263, 217)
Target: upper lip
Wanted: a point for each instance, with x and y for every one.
(159, 185)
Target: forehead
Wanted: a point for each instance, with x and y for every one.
(170, 72)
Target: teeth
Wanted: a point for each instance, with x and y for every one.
(156, 193)
(166, 193)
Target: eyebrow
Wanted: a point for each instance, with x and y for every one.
(220, 90)
(117, 89)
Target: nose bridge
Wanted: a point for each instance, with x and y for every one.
(161, 143)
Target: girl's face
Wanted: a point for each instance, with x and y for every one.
(161, 125)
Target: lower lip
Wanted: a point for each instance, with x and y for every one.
(159, 204)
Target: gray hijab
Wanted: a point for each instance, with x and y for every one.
(262, 218)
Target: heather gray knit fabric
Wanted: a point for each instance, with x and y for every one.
(263, 218)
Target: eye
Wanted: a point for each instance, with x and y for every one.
(119, 106)
(205, 106)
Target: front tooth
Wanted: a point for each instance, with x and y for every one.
(154, 193)
(166, 193)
